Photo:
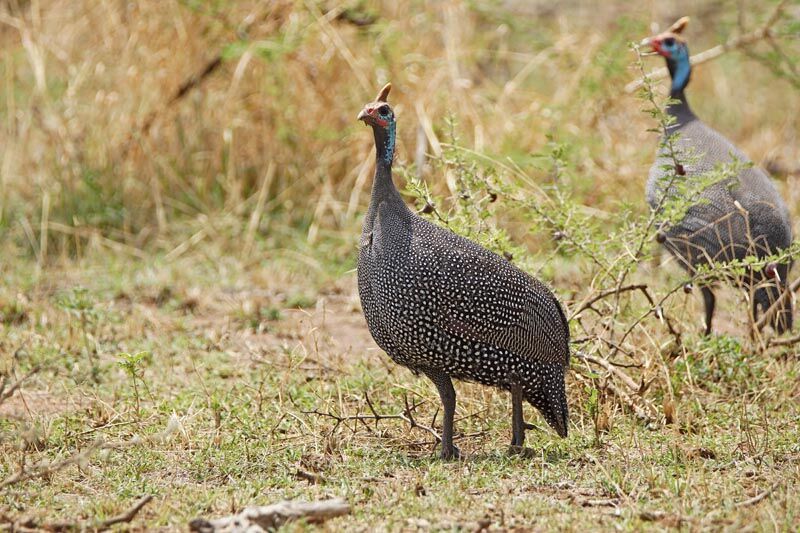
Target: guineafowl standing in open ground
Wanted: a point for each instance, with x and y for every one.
(444, 306)
(741, 216)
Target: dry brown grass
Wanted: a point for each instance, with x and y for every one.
(82, 80)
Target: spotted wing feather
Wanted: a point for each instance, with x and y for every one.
(485, 298)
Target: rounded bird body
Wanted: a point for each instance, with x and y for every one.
(740, 216)
(444, 306)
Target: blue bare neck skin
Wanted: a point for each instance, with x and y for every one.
(383, 188)
(680, 70)
(391, 137)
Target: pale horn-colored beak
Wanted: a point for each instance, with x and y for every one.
(363, 115)
(648, 42)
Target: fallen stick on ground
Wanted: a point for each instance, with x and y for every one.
(758, 497)
(269, 517)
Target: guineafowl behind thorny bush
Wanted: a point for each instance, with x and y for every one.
(737, 217)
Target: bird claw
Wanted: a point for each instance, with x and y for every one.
(522, 451)
(451, 453)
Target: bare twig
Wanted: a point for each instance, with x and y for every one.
(657, 309)
(271, 517)
(7, 392)
(46, 468)
(764, 319)
(127, 516)
(764, 32)
(758, 497)
(788, 341)
(102, 525)
(625, 378)
(406, 416)
(586, 304)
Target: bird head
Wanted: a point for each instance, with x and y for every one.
(378, 114)
(673, 48)
(670, 44)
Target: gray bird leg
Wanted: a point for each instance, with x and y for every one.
(517, 420)
(709, 301)
(448, 396)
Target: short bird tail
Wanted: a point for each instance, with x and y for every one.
(562, 418)
(557, 411)
(547, 393)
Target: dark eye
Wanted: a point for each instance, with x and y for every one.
(669, 42)
(384, 110)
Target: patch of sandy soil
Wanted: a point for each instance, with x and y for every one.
(331, 331)
(37, 403)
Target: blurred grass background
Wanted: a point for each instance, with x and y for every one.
(142, 123)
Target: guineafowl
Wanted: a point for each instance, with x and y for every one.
(737, 217)
(445, 307)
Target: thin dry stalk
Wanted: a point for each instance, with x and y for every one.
(776, 305)
(95, 235)
(590, 300)
(6, 393)
(760, 496)
(258, 211)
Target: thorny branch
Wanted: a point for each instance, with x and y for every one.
(587, 304)
(658, 310)
(406, 416)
